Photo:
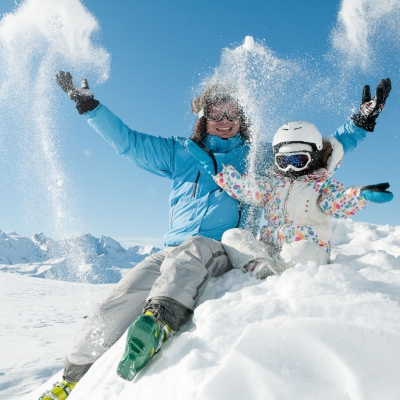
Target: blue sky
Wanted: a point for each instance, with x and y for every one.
(160, 51)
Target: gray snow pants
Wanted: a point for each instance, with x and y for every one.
(167, 283)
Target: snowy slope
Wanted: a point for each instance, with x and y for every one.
(329, 332)
(37, 320)
(85, 258)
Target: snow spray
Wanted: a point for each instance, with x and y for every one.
(271, 91)
(37, 39)
(364, 48)
(365, 31)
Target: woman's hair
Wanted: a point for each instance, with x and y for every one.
(212, 94)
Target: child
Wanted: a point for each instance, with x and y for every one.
(299, 198)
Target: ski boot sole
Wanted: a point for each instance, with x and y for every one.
(143, 340)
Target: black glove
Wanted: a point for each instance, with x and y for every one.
(83, 97)
(377, 193)
(371, 108)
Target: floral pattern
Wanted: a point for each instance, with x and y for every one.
(272, 191)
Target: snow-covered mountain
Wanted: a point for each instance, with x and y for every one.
(330, 332)
(82, 259)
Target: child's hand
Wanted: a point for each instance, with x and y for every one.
(371, 108)
(377, 193)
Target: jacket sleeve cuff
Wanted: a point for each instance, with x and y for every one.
(349, 135)
(91, 114)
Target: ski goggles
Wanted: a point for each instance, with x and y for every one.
(295, 161)
(217, 111)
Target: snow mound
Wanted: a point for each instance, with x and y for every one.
(330, 332)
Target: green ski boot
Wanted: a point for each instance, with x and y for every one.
(60, 391)
(145, 337)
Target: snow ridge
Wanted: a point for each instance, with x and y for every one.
(104, 259)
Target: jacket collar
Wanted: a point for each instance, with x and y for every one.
(219, 145)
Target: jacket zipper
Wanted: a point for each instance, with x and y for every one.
(240, 213)
(195, 185)
(193, 195)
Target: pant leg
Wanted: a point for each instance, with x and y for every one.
(241, 247)
(185, 272)
(304, 251)
(106, 323)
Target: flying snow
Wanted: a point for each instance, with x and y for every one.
(36, 40)
(364, 30)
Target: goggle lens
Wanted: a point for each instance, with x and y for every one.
(217, 112)
(298, 161)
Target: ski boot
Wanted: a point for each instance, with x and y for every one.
(145, 337)
(262, 268)
(60, 391)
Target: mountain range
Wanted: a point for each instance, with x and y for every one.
(82, 259)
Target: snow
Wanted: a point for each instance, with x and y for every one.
(248, 43)
(363, 28)
(37, 320)
(37, 39)
(328, 332)
(103, 260)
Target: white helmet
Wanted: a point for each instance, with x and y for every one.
(298, 132)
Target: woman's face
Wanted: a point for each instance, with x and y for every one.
(229, 124)
(224, 129)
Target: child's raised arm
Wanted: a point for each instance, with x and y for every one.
(355, 131)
